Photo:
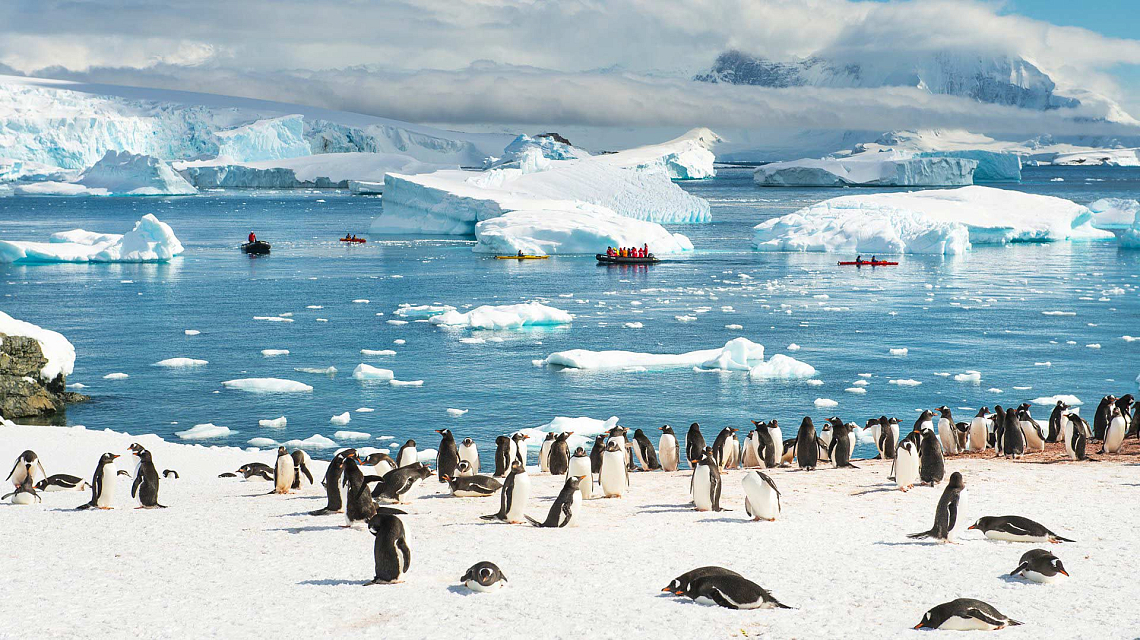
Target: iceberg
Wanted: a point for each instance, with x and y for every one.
(267, 385)
(1114, 214)
(315, 441)
(781, 367)
(589, 230)
(738, 354)
(56, 349)
(12, 170)
(368, 372)
(420, 311)
(1097, 157)
(868, 170)
(947, 221)
(993, 166)
(204, 431)
(125, 173)
(507, 316)
(275, 423)
(151, 240)
(323, 171)
(525, 149)
(180, 363)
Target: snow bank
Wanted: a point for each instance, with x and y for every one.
(589, 230)
(738, 354)
(368, 372)
(781, 367)
(868, 170)
(125, 173)
(180, 363)
(507, 316)
(267, 385)
(58, 350)
(151, 240)
(946, 221)
(204, 431)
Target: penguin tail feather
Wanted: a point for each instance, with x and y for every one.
(493, 516)
(919, 536)
(1056, 538)
(1014, 623)
(532, 521)
(83, 506)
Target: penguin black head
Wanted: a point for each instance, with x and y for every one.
(599, 439)
(666, 429)
(136, 448)
(956, 480)
(467, 442)
(806, 422)
(281, 452)
(443, 432)
(410, 443)
(573, 481)
(461, 467)
(611, 446)
(549, 436)
(694, 426)
(520, 436)
(108, 458)
(145, 456)
(562, 437)
(517, 467)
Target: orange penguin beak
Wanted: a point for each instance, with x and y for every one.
(918, 626)
(679, 593)
(1065, 572)
(971, 527)
(113, 456)
(439, 430)
(667, 590)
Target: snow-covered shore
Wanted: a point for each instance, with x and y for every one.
(226, 560)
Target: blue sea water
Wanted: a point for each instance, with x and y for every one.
(980, 312)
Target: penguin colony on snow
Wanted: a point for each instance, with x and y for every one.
(604, 472)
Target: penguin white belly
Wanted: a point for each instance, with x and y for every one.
(1005, 536)
(22, 498)
(471, 456)
(408, 457)
(668, 452)
(1042, 578)
(575, 509)
(946, 436)
(702, 489)
(613, 474)
(544, 457)
(733, 453)
(479, 588)
(108, 482)
(285, 474)
(1067, 436)
(895, 432)
(762, 501)
(957, 623)
(519, 498)
(777, 442)
(1032, 440)
(580, 466)
(906, 469)
(978, 433)
(622, 446)
(1114, 435)
(382, 468)
(19, 473)
(876, 432)
(522, 451)
(641, 463)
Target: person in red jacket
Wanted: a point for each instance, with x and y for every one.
(252, 237)
(645, 250)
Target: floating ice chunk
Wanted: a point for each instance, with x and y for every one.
(994, 390)
(685, 318)
(56, 349)
(267, 385)
(151, 240)
(314, 306)
(269, 353)
(352, 435)
(781, 366)
(734, 327)
(341, 419)
(860, 383)
(315, 441)
(275, 423)
(1058, 313)
(905, 382)
(125, 173)
(855, 390)
(793, 347)
(368, 372)
(422, 311)
(397, 322)
(472, 340)
(262, 442)
(180, 362)
(77, 385)
(1071, 400)
(192, 332)
(1093, 345)
(1043, 364)
(737, 354)
(582, 427)
(328, 371)
(116, 376)
(272, 318)
(969, 376)
(1114, 214)
(814, 383)
(633, 325)
(204, 431)
(509, 316)
(824, 403)
(899, 352)
(378, 352)
(406, 383)
(361, 301)
(890, 169)
(455, 413)
(399, 341)
(1129, 338)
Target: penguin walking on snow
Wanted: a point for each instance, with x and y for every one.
(564, 510)
(103, 483)
(761, 497)
(965, 614)
(145, 487)
(946, 513)
(391, 552)
(469, 453)
(580, 466)
(643, 451)
(705, 485)
(516, 492)
(359, 505)
(332, 483)
(667, 448)
(807, 450)
(559, 455)
(448, 457)
(694, 445)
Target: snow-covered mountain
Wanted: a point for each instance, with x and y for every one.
(1004, 80)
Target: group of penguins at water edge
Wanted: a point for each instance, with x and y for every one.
(359, 486)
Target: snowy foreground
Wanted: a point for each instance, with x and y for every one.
(227, 560)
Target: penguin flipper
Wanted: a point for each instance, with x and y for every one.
(1056, 538)
(7, 495)
(405, 551)
(493, 516)
(305, 470)
(84, 506)
(135, 484)
(974, 612)
(1021, 567)
(13, 468)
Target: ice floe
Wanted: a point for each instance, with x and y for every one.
(352, 435)
(341, 419)
(509, 316)
(587, 229)
(1071, 400)
(180, 362)
(824, 403)
(269, 353)
(151, 240)
(267, 385)
(315, 441)
(204, 431)
(739, 354)
(274, 423)
(116, 376)
(781, 367)
(455, 413)
(368, 372)
(406, 383)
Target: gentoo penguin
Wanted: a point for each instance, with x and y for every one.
(906, 466)
(544, 453)
(1056, 426)
(931, 465)
(998, 442)
(24, 494)
(694, 445)
(447, 459)
(750, 452)
(358, 503)
(27, 464)
(705, 486)
(103, 483)
(1077, 439)
(1124, 403)
(136, 450)
(946, 513)
(564, 510)
(1114, 434)
(979, 430)
(596, 452)
(398, 484)
(823, 439)
(503, 457)
(170, 473)
(256, 470)
(947, 433)
(518, 443)
(407, 455)
(332, 482)
(965, 614)
(668, 450)
(620, 436)
(1013, 436)
(724, 448)
(391, 552)
(580, 466)
(559, 454)
(731, 592)
(284, 472)
(876, 432)
(807, 451)
(614, 476)
(62, 482)
(962, 430)
(643, 452)
(1015, 529)
(473, 486)
(469, 453)
(789, 453)
(1034, 435)
(680, 584)
(380, 462)
(301, 462)
(768, 449)
(1039, 565)
(145, 487)
(761, 497)
(1101, 417)
(888, 437)
(516, 492)
(839, 450)
(483, 577)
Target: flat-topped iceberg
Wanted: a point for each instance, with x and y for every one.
(325, 171)
(738, 354)
(507, 316)
(1097, 157)
(947, 221)
(151, 240)
(267, 385)
(868, 170)
(993, 166)
(1114, 214)
(589, 230)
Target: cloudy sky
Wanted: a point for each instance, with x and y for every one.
(587, 62)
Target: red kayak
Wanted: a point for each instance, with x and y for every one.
(356, 240)
(865, 263)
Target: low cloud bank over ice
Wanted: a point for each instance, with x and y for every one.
(151, 240)
(947, 221)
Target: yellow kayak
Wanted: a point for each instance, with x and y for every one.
(521, 257)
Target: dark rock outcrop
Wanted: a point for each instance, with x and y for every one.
(22, 393)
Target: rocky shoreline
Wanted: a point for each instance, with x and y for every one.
(23, 394)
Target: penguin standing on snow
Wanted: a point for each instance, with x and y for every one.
(596, 452)
(1039, 565)
(1056, 424)
(518, 444)
(965, 614)
(469, 453)
(391, 552)
(750, 453)
(27, 464)
(516, 492)
(888, 437)
(483, 577)
(1114, 434)
(947, 433)
(694, 445)
(767, 449)
(668, 449)
(1076, 441)
(979, 431)
(1124, 403)
(103, 483)
(502, 456)
(643, 450)
(1101, 417)
(559, 454)
(731, 592)
(284, 471)
(614, 476)
(839, 450)
(998, 442)
(1034, 435)
(407, 454)
(580, 466)
(564, 510)
(359, 505)
(301, 462)
(145, 487)
(705, 485)
(544, 453)
(332, 483)
(906, 466)
(761, 497)
(946, 513)
(1013, 436)
(807, 450)
(931, 465)
(448, 457)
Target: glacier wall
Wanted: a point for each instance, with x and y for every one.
(993, 166)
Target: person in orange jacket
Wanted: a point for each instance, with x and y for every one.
(252, 237)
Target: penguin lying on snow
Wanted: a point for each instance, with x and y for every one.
(731, 592)
(62, 482)
(473, 486)
(1015, 529)
(170, 473)
(25, 493)
(1041, 566)
(483, 577)
(397, 484)
(257, 470)
(965, 614)
(946, 513)
(681, 583)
